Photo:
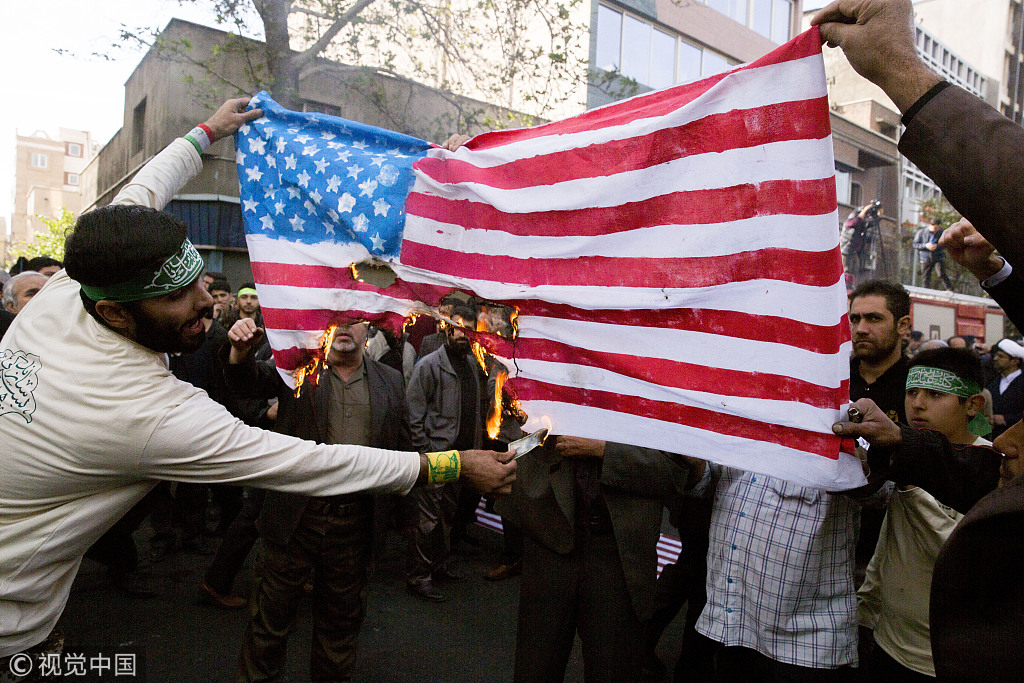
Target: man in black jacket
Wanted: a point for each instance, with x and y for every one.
(355, 400)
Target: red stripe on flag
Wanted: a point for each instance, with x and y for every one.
(766, 328)
(825, 445)
(815, 269)
(693, 207)
(799, 120)
(687, 376)
(648, 105)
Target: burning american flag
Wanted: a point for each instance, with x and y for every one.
(672, 259)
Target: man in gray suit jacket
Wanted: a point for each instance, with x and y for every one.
(355, 400)
(592, 514)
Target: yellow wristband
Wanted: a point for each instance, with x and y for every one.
(443, 467)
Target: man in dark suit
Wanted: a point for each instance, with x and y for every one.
(1008, 389)
(591, 512)
(355, 400)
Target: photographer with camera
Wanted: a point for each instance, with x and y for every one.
(857, 241)
(932, 256)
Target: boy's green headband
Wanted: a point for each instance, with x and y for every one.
(937, 379)
(177, 271)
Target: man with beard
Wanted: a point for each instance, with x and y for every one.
(879, 321)
(445, 399)
(91, 418)
(356, 400)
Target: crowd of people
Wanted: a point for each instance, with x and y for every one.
(136, 384)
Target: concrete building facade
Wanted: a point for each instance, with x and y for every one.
(989, 35)
(48, 176)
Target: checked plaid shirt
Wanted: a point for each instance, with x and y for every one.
(780, 570)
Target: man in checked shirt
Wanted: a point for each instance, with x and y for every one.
(781, 599)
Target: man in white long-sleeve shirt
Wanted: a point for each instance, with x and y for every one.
(91, 418)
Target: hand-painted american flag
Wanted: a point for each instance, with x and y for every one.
(673, 257)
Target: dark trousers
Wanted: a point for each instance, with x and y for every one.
(734, 664)
(333, 543)
(432, 509)
(940, 267)
(238, 542)
(584, 591)
(881, 668)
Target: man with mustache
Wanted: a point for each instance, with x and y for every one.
(445, 396)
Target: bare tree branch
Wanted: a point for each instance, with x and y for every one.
(341, 22)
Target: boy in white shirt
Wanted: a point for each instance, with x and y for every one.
(943, 394)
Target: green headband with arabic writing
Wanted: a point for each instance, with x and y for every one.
(938, 379)
(181, 269)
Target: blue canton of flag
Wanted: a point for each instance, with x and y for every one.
(314, 178)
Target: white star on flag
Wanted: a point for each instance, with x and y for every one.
(294, 192)
(239, 156)
(321, 166)
(309, 206)
(268, 222)
(303, 179)
(310, 151)
(328, 227)
(253, 173)
(250, 205)
(271, 161)
(381, 208)
(359, 144)
(316, 196)
(257, 145)
(301, 139)
(327, 136)
(346, 202)
(281, 144)
(368, 187)
(280, 208)
(269, 191)
(354, 171)
(297, 223)
(332, 183)
(378, 242)
(344, 156)
(289, 161)
(360, 222)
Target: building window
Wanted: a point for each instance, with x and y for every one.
(39, 160)
(771, 18)
(842, 185)
(856, 194)
(71, 179)
(72, 149)
(321, 108)
(139, 127)
(609, 38)
(636, 49)
(639, 50)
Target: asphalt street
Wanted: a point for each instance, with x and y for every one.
(180, 638)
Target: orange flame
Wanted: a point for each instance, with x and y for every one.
(310, 369)
(494, 419)
(355, 272)
(481, 356)
(409, 322)
(514, 319)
